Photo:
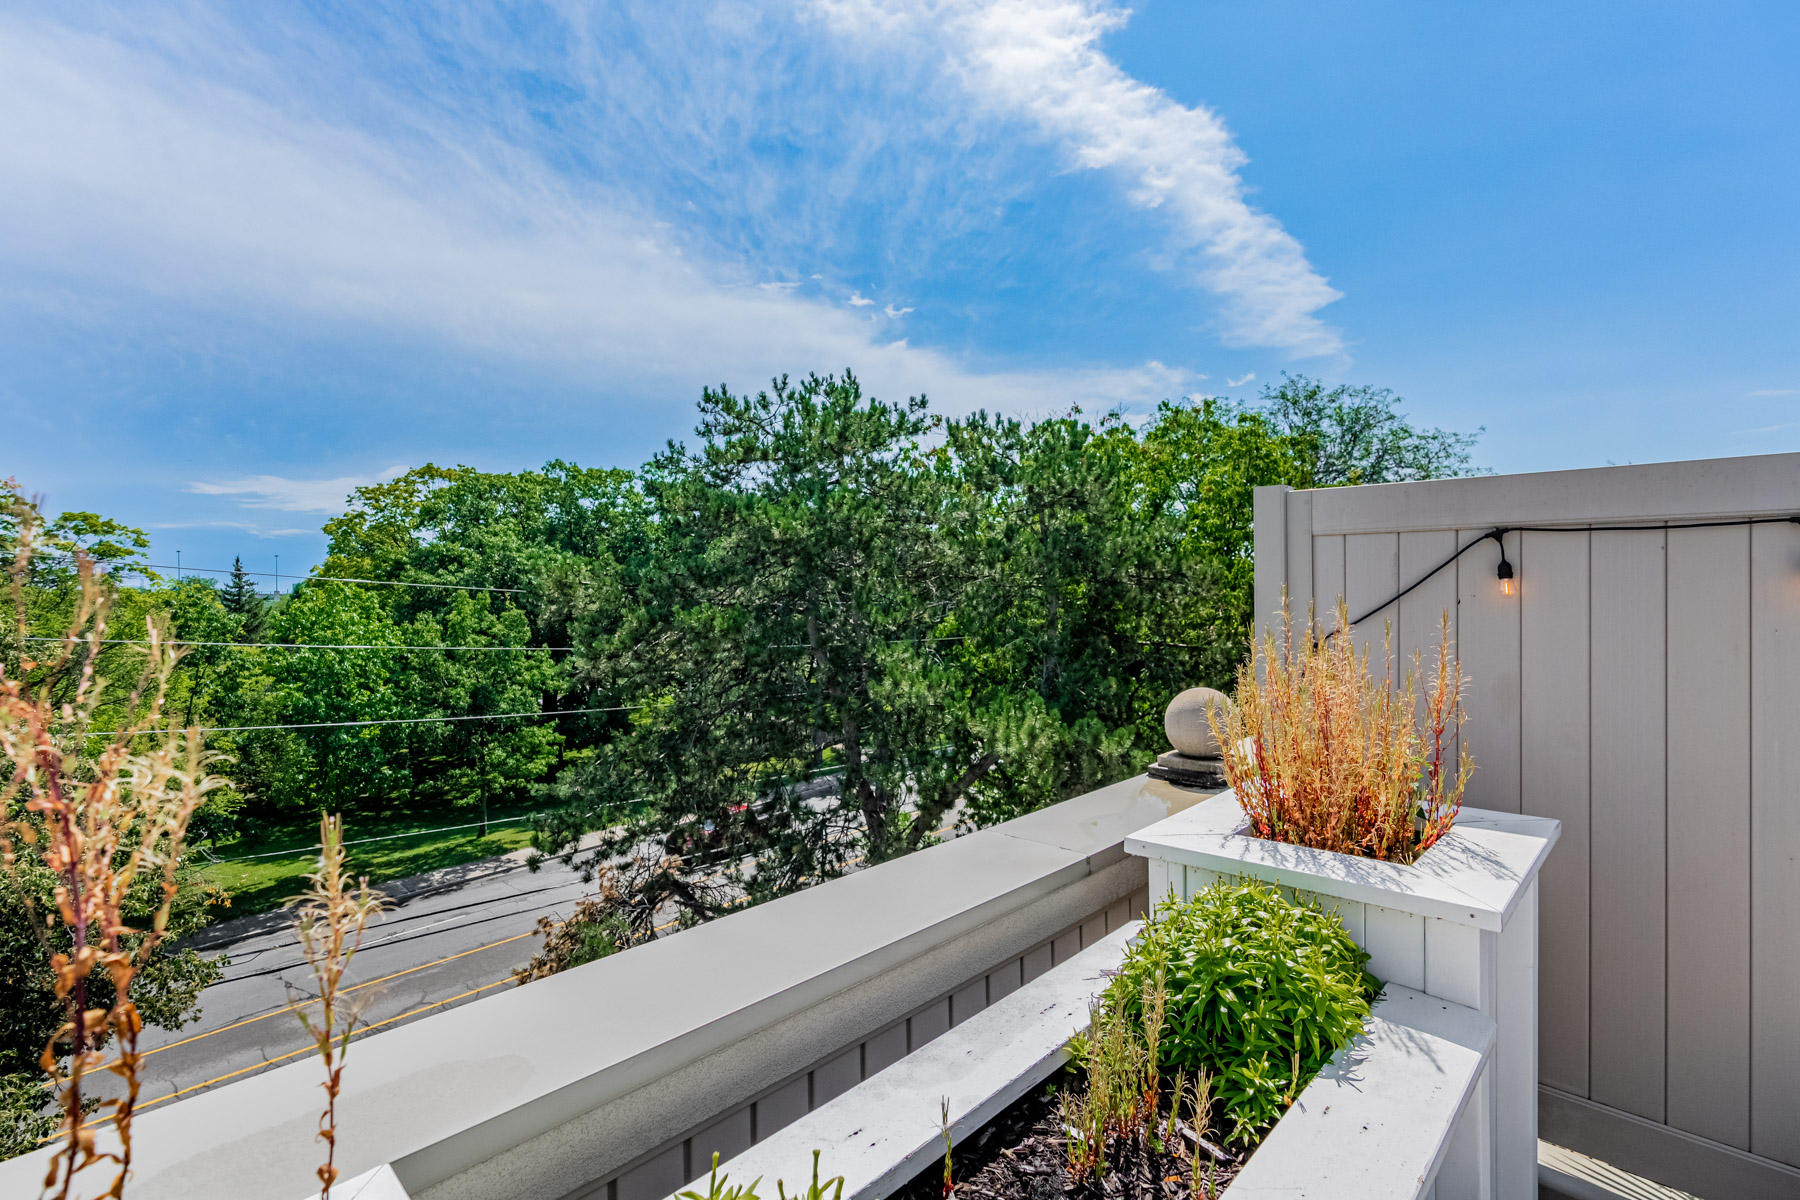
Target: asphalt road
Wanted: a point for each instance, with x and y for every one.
(453, 936)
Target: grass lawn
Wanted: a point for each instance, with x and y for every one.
(259, 884)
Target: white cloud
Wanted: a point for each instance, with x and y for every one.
(1776, 392)
(241, 526)
(896, 313)
(1041, 60)
(859, 300)
(134, 175)
(1240, 381)
(294, 495)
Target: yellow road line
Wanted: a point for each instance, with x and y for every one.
(269, 1062)
(370, 983)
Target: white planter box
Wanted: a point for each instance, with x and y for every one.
(1460, 924)
(1375, 1124)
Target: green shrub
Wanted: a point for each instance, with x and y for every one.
(1262, 991)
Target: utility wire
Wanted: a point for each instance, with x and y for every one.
(454, 587)
(556, 712)
(292, 645)
(1499, 532)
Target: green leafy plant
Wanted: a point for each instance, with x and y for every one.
(1261, 991)
(834, 1187)
(719, 1187)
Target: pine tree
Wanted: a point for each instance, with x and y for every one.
(241, 598)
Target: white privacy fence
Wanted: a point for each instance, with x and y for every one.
(1640, 682)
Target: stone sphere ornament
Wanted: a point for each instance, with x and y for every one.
(1186, 724)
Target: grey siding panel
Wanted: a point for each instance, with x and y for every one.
(1775, 843)
(1488, 647)
(1299, 553)
(1422, 612)
(656, 1178)
(1372, 575)
(928, 1023)
(1709, 833)
(968, 1001)
(781, 1107)
(836, 1075)
(1629, 977)
(1270, 507)
(884, 1049)
(727, 1137)
(1328, 581)
(1553, 779)
(1036, 961)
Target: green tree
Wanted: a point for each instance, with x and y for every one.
(787, 628)
(1356, 434)
(240, 598)
(1064, 611)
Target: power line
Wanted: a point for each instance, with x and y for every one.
(294, 645)
(386, 837)
(454, 587)
(557, 712)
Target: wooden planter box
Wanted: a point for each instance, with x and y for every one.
(1375, 1124)
(1460, 924)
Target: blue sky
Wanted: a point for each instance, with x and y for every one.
(251, 256)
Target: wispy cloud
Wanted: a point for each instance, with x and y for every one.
(1776, 392)
(294, 495)
(1241, 380)
(241, 526)
(891, 311)
(138, 173)
(859, 300)
(1041, 60)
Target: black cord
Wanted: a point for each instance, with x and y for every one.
(1499, 532)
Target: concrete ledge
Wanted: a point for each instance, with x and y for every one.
(438, 1097)
(884, 1131)
(1657, 1152)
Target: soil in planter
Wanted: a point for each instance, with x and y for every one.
(1022, 1154)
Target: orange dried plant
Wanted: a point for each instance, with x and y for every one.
(330, 918)
(100, 822)
(1321, 754)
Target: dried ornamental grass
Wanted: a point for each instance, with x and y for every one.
(330, 918)
(1321, 754)
(101, 822)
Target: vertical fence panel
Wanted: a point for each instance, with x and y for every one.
(1421, 613)
(1709, 833)
(1328, 580)
(1371, 575)
(1775, 843)
(1553, 781)
(1488, 645)
(1627, 1028)
(1299, 553)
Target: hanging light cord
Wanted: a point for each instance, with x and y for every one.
(1499, 532)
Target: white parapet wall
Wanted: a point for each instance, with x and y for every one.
(1460, 924)
(604, 1081)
